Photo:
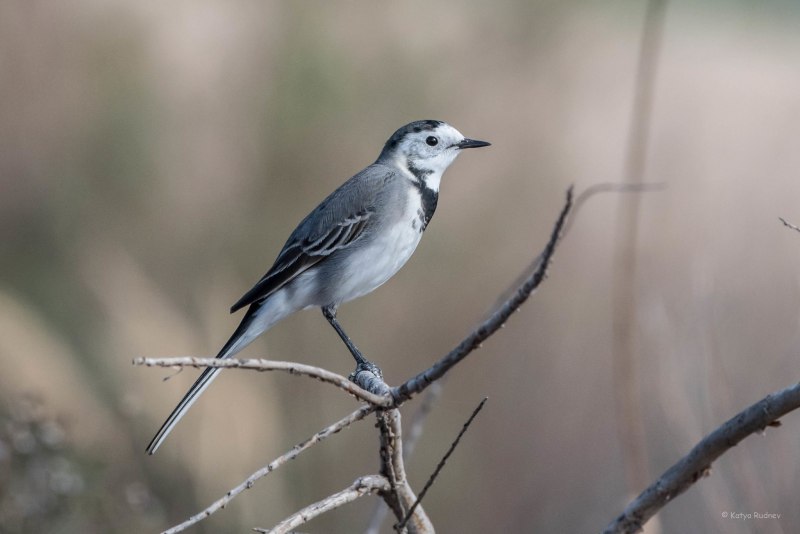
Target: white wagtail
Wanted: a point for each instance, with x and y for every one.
(350, 244)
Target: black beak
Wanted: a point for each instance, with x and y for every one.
(471, 143)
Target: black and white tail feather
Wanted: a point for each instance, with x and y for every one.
(202, 382)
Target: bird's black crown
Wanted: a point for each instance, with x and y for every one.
(412, 127)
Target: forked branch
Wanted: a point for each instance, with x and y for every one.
(401, 497)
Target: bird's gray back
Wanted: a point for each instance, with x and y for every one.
(344, 221)
(376, 189)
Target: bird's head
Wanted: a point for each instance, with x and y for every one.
(426, 148)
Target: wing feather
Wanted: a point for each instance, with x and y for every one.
(338, 222)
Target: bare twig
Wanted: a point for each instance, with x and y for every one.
(264, 471)
(649, 48)
(610, 187)
(580, 200)
(399, 527)
(630, 425)
(496, 321)
(697, 464)
(270, 365)
(401, 497)
(788, 224)
(365, 485)
(420, 416)
(432, 394)
(379, 513)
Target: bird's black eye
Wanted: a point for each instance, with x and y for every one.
(432, 141)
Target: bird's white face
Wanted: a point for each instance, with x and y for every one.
(424, 149)
(431, 151)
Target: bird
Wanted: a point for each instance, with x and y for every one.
(350, 244)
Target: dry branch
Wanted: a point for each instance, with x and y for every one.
(788, 224)
(441, 465)
(270, 365)
(625, 365)
(697, 464)
(491, 325)
(264, 471)
(401, 498)
(365, 485)
(432, 394)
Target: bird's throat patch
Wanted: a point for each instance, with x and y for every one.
(429, 199)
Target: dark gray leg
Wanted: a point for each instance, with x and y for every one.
(362, 364)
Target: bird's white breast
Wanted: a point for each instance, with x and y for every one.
(386, 254)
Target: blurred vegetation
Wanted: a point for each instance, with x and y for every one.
(154, 157)
(46, 485)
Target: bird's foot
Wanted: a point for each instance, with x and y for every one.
(366, 366)
(369, 376)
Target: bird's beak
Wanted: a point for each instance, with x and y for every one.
(471, 143)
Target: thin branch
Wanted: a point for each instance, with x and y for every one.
(494, 322)
(401, 497)
(365, 485)
(279, 461)
(399, 527)
(271, 365)
(432, 394)
(390, 441)
(639, 131)
(788, 224)
(420, 416)
(630, 425)
(610, 187)
(697, 464)
(379, 513)
(580, 200)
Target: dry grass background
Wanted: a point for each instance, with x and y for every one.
(154, 156)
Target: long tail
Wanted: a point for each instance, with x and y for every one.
(239, 340)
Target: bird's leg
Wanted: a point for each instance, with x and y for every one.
(362, 364)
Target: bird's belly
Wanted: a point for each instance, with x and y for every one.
(373, 265)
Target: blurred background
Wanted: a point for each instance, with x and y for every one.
(155, 156)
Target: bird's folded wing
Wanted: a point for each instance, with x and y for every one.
(337, 223)
(302, 252)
